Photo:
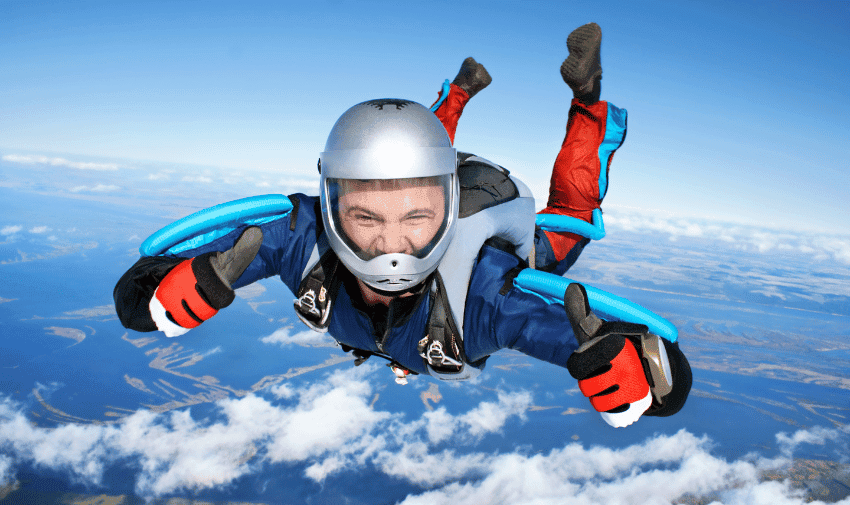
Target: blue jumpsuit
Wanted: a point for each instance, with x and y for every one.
(492, 321)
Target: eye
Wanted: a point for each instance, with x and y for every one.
(417, 218)
(364, 219)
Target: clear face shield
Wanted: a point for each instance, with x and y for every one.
(375, 217)
(385, 216)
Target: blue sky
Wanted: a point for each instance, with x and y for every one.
(738, 111)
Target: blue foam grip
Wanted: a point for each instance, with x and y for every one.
(602, 303)
(559, 223)
(445, 94)
(225, 216)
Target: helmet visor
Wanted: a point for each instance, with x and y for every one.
(384, 216)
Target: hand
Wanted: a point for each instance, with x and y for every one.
(197, 288)
(607, 363)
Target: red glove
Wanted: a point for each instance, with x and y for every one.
(197, 288)
(608, 363)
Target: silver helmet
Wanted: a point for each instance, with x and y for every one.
(389, 192)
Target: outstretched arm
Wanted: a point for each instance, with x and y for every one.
(176, 292)
(175, 295)
(502, 314)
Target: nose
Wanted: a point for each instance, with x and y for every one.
(394, 241)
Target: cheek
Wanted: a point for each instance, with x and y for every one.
(421, 234)
(362, 236)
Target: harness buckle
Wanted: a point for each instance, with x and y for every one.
(435, 355)
(307, 302)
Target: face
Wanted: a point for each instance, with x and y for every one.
(383, 217)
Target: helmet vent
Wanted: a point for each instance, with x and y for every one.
(399, 103)
(390, 281)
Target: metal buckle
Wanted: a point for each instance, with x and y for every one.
(437, 357)
(655, 355)
(308, 302)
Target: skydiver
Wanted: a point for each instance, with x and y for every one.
(409, 251)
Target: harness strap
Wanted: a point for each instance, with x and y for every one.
(442, 346)
(314, 304)
(360, 357)
(317, 291)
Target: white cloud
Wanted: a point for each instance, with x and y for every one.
(836, 247)
(196, 178)
(658, 471)
(7, 471)
(58, 162)
(99, 188)
(330, 424)
(307, 338)
(743, 237)
(815, 436)
(305, 184)
(174, 451)
(489, 417)
(105, 188)
(39, 229)
(251, 291)
(159, 177)
(11, 230)
(331, 427)
(212, 351)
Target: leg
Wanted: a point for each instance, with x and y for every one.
(595, 130)
(471, 79)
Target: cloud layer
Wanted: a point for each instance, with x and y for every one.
(58, 162)
(742, 237)
(330, 427)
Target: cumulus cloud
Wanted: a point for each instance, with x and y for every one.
(659, 471)
(6, 470)
(58, 162)
(815, 436)
(11, 230)
(174, 451)
(39, 229)
(330, 426)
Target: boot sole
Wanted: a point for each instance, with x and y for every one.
(582, 66)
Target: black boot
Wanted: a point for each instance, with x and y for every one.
(582, 70)
(472, 77)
